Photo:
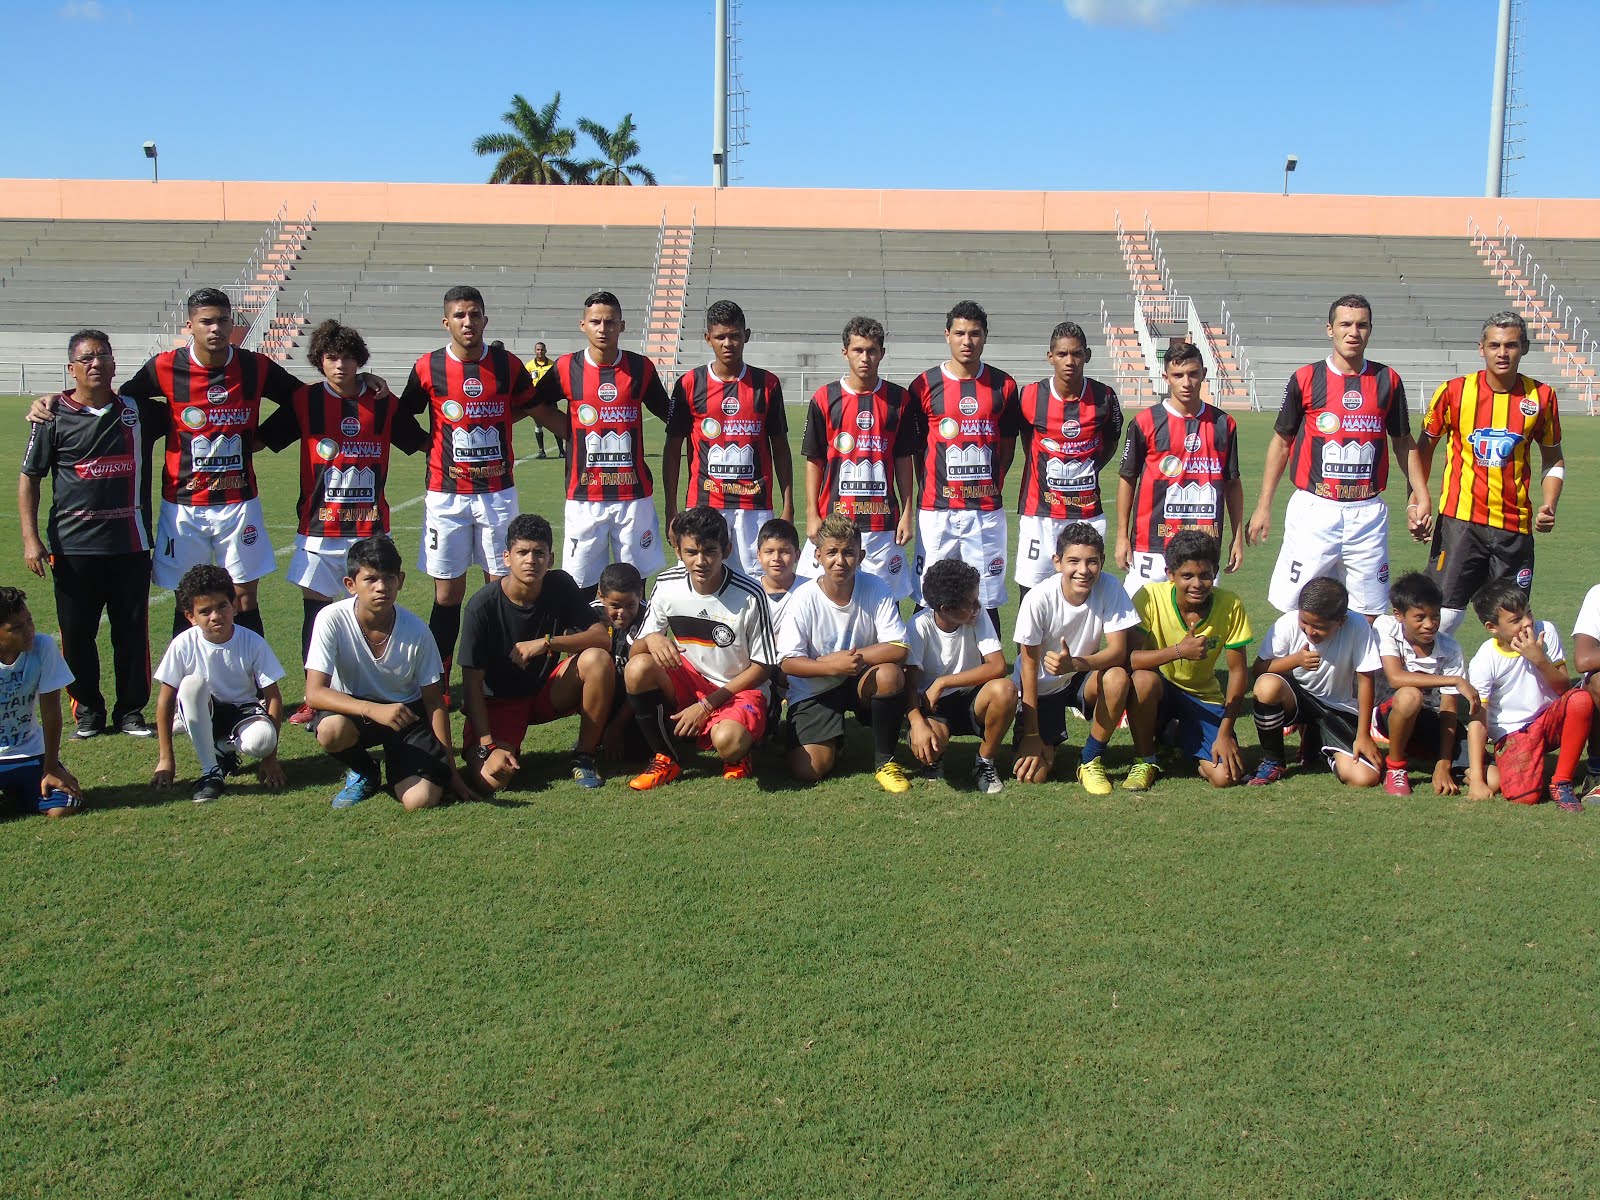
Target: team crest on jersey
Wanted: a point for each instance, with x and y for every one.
(129, 415)
(1327, 424)
(968, 406)
(711, 427)
(472, 388)
(997, 566)
(949, 427)
(864, 420)
(327, 448)
(721, 635)
(607, 393)
(1192, 443)
(1493, 447)
(1383, 573)
(1525, 578)
(648, 540)
(1070, 428)
(1528, 407)
(248, 535)
(350, 426)
(194, 417)
(1170, 465)
(452, 410)
(730, 406)
(844, 442)
(895, 564)
(1352, 401)
(216, 394)
(588, 414)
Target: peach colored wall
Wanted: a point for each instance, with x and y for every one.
(796, 208)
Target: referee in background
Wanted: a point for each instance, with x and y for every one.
(97, 455)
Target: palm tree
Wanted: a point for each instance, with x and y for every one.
(537, 151)
(617, 146)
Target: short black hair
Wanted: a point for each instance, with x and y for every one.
(12, 601)
(966, 310)
(1415, 590)
(1325, 597)
(1351, 300)
(530, 527)
(863, 327)
(464, 291)
(948, 582)
(1068, 329)
(704, 524)
(339, 341)
(621, 577)
(86, 335)
(204, 580)
(1191, 545)
(778, 528)
(603, 297)
(1079, 533)
(1502, 593)
(1182, 352)
(724, 312)
(377, 552)
(208, 298)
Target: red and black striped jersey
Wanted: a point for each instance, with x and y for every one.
(1179, 466)
(1487, 471)
(470, 407)
(729, 423)
(960, 424)
(605, 406)
(857, 436)
(1065, 442)
(1339, 428)
(214, 411)
(344, 456)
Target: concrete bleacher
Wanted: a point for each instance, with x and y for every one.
(1573, 266)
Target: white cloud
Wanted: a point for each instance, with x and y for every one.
(1153, 13)
(82, 10)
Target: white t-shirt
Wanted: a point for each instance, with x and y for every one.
(719, 635)
(1446, 659)
(1351, 650)
(38, 669)
(409, 662)
(234, 670)
(814, 626)
(1588, 622)
(1046, 616)
(1513, 691)
(936, 653)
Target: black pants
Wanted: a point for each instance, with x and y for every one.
(118, 585)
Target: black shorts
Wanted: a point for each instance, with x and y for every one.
(227, 718)
(1466, 556)
(1052, 713)
(957, 708)
(1424, 734)
(1336, 727)
(821, 719)
(414, 750)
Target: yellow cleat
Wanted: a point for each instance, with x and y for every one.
(1092, 775)
(891, 778)
(1141, 777)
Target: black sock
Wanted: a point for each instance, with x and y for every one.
(887, 714)
(250, 618)
(307, 623)
(650, 711)
(180, 622)
(994, 615)
(1269, 729)
(445, 625)
(359, 761)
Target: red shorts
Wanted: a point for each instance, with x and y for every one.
(747, 708)
(1520, 755)
(510, 716)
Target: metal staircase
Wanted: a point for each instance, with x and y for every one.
(669, 289)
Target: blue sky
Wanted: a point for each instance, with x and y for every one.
(1381, 96)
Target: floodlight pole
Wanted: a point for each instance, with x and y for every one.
(1497, 104)
(719, 105)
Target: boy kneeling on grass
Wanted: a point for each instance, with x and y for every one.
(777, 550)
(1185, 625)
(704, 653)
(956, 674)
(842, 644)
(1528, 707)
(32, 674)
(1424, 695)
(373, 677)
(222, 680)
(619, 603)
(1316, 666)
(1062, 664)
(1586, 657)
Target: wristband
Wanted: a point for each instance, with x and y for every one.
(1559, 471)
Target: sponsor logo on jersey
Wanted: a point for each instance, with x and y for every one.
(351, 485)
(588, 414)
(194, 417)
(224, 452)
(743, 428)
(731, 462)
(710, 428)
(1170, 465)
(949, 427)
(229, 416)
(843, 442)
(350, 426)
(327, 448)
(1071, 428)
(1327, 424)
(864, 420)
(216, 394)
(104, 468)
(472, 388)
(1050, 445)
(607, 392)
(1352, 401)
(452, 410)
(864, 478)
(1528, 407)
(624, 414)
(361, 449)
(1493, 447)
(1363, 423)
(1525, 578)
(475, 445)
(730, 405)
(968, 406)
(489, 408)
(249, 534)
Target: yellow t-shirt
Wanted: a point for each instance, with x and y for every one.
(1225, 627)
(537, 369)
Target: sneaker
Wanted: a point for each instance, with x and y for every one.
(90, 725)
(1270, 771)
(1566, 799)
(542, 454)
(932, 772)
(229, 762)
(302, 715)
(1142, 777)
(891, 777)
(738, 770)
(210, 786)
(1396, 781)
(1092, 775)
(357, 787)
(134, 725)
(584, 773)
(985, 778)
(1593, 796)
(661, 771)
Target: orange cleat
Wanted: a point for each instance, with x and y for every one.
(661, 771)
(738, 770)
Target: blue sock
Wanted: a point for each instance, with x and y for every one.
(1093, 748)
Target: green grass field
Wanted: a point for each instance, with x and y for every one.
(768, 990)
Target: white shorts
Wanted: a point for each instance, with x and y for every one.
(976, 538)
(1346, 539)
(460, 530)
(231, 536)
(1036, 546)
(743, 526)
(1144, 568)
(321, 564)
(598, 534)
(879, 556)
